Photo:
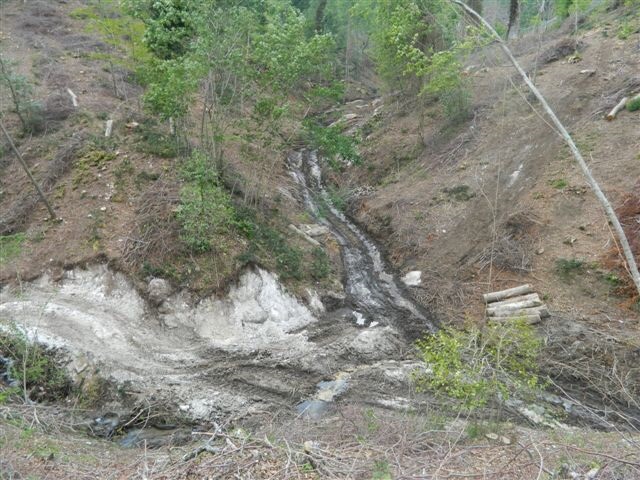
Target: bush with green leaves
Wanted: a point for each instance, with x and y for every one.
(10, 246)
(476, 365)
(333, 144)
(416, 46)
(37, 373)
(633, 104)
(205, 212)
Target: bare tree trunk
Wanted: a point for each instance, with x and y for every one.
(514, 14)
(52, 214)
(475, 5)
(610, 212)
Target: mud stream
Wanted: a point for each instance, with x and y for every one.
(258, 350)
(373, 294)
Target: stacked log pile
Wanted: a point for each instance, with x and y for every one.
(519, 303)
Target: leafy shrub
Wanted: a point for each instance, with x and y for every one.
(10, 246)
(267, 243)
(205, 209)
(320, 266)
(567, 267)
(478, 364)
(461, 193)
(332, 144)
(155, 143)
(33, 366)
(633, 104)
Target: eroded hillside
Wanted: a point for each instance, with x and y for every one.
(283, 346)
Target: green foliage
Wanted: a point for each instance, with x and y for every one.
(285, 52)
(333, 144)
(320, 266)
(568, 267)
(460, 193)
(267, 245)
(169, 25)
(478, 364)
(381, 470)
(322, 95)
(155, 142)
(559, 183)
(122, 32)
(205, 212)
(34, 366)
(633, 104)
(171, 86)
(564, 8)
(415, 45)
(10, 246)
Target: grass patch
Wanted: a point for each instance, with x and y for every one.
(460, 193)
(559, 183)
(10, 246)
(569, 267)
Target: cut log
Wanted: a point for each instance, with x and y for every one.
(107, 132)
(304, 235)
(530, 319)
(515, 312)
(515, 305)
(504, 294)
(74, 97)
(612, 114)
(521, 298)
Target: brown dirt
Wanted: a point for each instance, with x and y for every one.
(106, 206)
(447, 199)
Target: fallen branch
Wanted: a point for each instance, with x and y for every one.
(74, 97)
(610, 212)
(612, 114)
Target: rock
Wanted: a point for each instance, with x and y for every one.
(106, 425)
(315, 304)
(491, 436)
(314, 230)
(311, 446)
(413, 278)
(158, 290)
(540, 251)
(593, 473)
(375, 343)
(505, 440)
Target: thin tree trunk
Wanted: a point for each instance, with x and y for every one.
(14, 94)
(52, 214)
(610, 212)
